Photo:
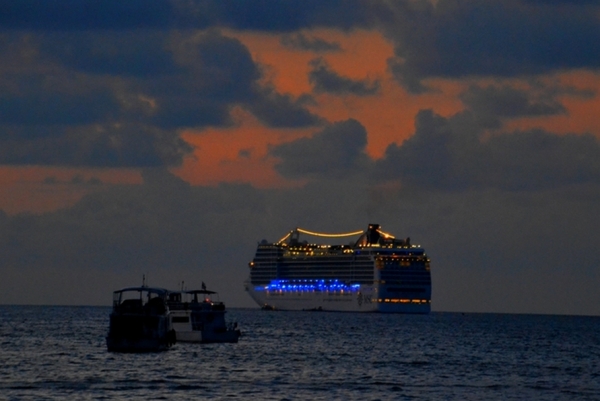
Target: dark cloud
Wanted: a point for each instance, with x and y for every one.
(221, 74)
(84, 14)
(138, 53)
(58, 107)
(445, 154)
(220, 67)
(425, 158)
(282, 16)
(279, 110)
(268, 15)
(338, 150)
(324, 79)
(191, 81)
(299, 41)
(454, 39)
(498, 102)
(120, 99)
(108, 146)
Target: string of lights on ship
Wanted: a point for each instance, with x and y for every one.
(334, 287)
(281, 286)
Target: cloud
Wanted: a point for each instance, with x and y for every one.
(299, 41)
(135, 53)
(163, 228)
(281, 110)
(338, 149)
(494, 103)
(120, 99)
(283, 16)
(72, 15)
(505, 39)
(84, 15)
(55, 108)
(481, 241)
(99, 146)
(452, 154)
(113, 84)
(324, 79)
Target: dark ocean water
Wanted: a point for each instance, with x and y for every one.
(60, 352)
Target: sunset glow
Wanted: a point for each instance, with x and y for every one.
(168, 138)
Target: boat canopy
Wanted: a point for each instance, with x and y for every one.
(200, 292)
(123, 294)
(151, 290)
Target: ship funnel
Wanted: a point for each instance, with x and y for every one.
(371, 236)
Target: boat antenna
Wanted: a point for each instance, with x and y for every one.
(143, 280)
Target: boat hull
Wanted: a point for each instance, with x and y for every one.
(202, 326)
(136, 345)
(139, 333)
(363, 299)
(188, 336)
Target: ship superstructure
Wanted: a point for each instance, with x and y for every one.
(376, 273)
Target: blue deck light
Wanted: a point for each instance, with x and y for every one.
(308, 285)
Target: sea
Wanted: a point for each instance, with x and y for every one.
(59, 352)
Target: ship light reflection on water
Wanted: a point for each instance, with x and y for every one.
(308, 285)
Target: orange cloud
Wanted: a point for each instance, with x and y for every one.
(236, 154)
(387, 116)
(582, 111)
(240, 153)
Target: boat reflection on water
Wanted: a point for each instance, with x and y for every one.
(140, 321)
(196, 317)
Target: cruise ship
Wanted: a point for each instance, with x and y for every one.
(375, 273)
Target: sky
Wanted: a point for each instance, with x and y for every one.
(165, 139)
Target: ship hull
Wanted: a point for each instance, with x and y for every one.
(363, 299)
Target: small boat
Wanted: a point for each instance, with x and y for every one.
(140, 321)
(196, 317)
